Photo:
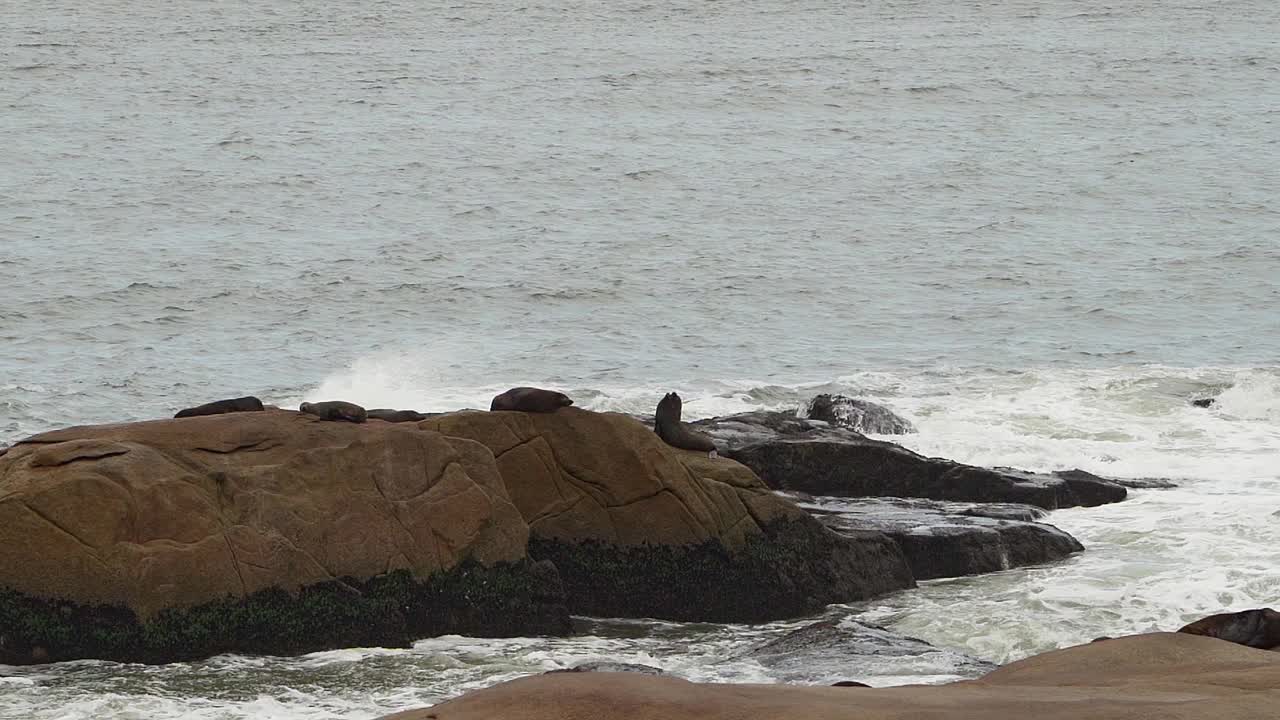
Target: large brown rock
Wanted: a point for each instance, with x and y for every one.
(153, 517)
(639, 528)
(1162, 676)
(280, 532)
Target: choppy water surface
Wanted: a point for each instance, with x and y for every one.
(1035, 229)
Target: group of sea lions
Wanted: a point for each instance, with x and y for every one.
(667, 422)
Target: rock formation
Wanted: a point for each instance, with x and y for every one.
(277, 532)
(641, 529)
(948, 539)
(1258, 628)
(268, 532)
(857, 414)
(791, 453)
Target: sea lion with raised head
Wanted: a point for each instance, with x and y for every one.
(395, 416)
(666, 422)
(247, 403)
(528, 399)
(1259, 628)
(335, 410)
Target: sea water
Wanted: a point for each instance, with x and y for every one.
(1037, 230)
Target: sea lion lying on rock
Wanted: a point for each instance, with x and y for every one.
(395, 416)
(335, 410)
(247, 403)
(666, 423)
(1258, 628)
(528, 399)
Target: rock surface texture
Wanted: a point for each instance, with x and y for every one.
(279, 532)
(791, 453)
(856, 650)
(130, 528)
(856, 414)
(948, 539)
(1164, 676)
(638, 528)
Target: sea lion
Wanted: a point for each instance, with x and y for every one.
(335, 410)
(1258, 628)
(247, 403)
(666, 423)
(849, 683)
(395, 416)
(528, 399)
(1204, 402)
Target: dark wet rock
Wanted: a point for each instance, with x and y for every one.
(828, 651)
(609, 666)
(1258, 628)
(1145, 483)
(1005, 511)
(791, 453)
(1204, 402)
(849, 683)
(857, 414)
(947, 539)
(1092, 490)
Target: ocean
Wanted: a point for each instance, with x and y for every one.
(1037, 230)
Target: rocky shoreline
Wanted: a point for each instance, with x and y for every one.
(280, 532)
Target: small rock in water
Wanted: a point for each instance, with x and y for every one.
(1258, 628)
(856, 414)
(1146, 483)
(1204, 402)
(846, 647)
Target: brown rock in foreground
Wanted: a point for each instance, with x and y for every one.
(168, 513)
(1162, 676)
(256, 532)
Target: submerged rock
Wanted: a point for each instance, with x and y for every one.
(947, 539)
(1145, 483)
(857, 414)
(826, 650)
(791, 453)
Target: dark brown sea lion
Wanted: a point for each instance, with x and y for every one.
(335, 410)
(527, 399)
(666, 423)
(1258, 628)
(395, 416)
(849, 683)
(247, 403)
